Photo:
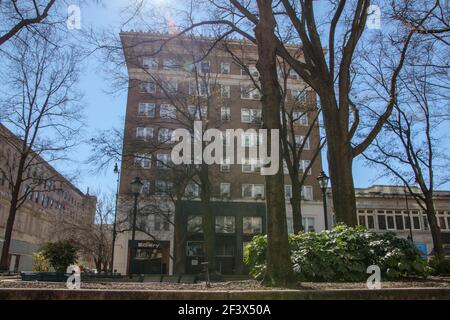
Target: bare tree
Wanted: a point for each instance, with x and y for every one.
(41, 107)
(93, 241)
(18, 15)
(409, 147)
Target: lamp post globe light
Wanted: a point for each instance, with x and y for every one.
(114, 235)
(136, 187)
(323, 183)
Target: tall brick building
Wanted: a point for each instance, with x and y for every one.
(172, 83)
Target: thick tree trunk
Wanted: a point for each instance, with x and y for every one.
(434, 228)
(279, 264)
(179, 239)
(340, 161)
(296, 204)
(208, 219)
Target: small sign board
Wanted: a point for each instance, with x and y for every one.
(194, 262)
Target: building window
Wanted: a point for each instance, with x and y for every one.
(163, 161)
(145, 187)
(192, 190)
(288, 191)
(225, 189)
(143, 160)
(198, 89)
(144, 133)
(147, 87)
(146, 109)
(224, 167)
(225, 91)
(250, 115)
(245, 70)
(163, 187)
(170, 86)
(251, 165)
(251, 225)
(252, 191)
(307, 192)
(299, 141)
(198, 113)
(298, 95)
(300, 118)
(250, 93)
(225, 113)
(303, 165)
(169, 64)
(225, 68)
(195, 249)
(205, 67)
(225, 224)
(167, 111)
(164, 135)
(308, 224)
(194, 224)
(150, 63)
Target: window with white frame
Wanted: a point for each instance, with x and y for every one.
(253, 191)
(303, 165)
(163, 187)
(225, 113)
(146, 109)
(144, 133)
(147, 87)
(192, 190)
(164, 135)
(250, 115)
(298, 95)
(146, 189)
(251, 225)
(250, 93)
(167, 111)
(307, 192)
(169, 64)
(245, 70)
(308, 224)
(225, 91)
(199, 88)
(150, 63)
(205, 67)
(143, 160)
(392, 219)
(163, 161)
(194, 224)
(198, 112)
(293, 75)
(300, 118)
(170, 86)
(225, 224)
(299, 141)
(225, 68)
(288, 191)
(250, 165)
(225, 189)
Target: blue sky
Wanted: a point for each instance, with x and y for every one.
(104, 110)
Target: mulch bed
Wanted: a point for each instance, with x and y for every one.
(431, 282)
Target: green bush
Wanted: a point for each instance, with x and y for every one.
(40, 263)
(440, 265)
(59, 254)
(342, 254)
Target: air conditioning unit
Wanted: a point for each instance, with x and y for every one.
(225, 168)
(258, 196)
(226, 117)
(257, 169)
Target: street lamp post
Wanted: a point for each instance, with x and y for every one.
(117, 172)
(136, 186)
(323, 183)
